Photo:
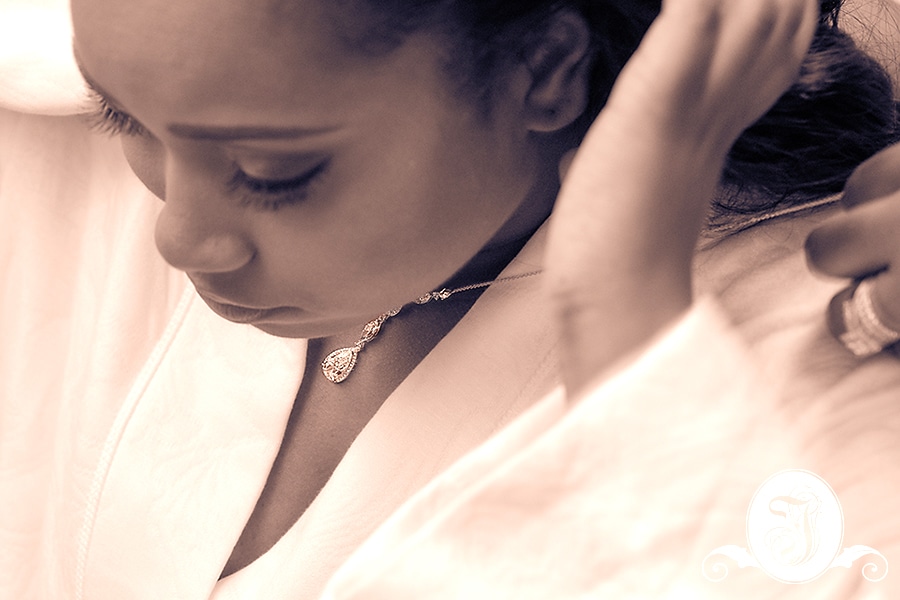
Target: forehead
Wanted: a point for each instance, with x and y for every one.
(197, 50)
(177, 26)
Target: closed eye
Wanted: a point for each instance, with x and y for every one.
(106, 118)
(271, 194)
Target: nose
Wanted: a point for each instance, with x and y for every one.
(196, 248)
(198, 234)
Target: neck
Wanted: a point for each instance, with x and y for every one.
(494, 256)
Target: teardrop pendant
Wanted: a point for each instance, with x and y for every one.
(337, 366)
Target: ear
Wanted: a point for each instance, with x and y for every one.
(558, 62)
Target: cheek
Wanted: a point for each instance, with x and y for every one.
(147, 159)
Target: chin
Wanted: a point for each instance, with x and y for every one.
(310, 330)
(294, 331)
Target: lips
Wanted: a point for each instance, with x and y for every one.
(235, 313)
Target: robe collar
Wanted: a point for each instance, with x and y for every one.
(191, 449)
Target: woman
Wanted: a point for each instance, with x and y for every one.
(360, 171)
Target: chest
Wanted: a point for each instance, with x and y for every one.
(326, 418)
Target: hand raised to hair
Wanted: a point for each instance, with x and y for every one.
(633, 202)
(863, 242)
(709, 68)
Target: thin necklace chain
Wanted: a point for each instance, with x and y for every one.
(445, 293)
(338, 364)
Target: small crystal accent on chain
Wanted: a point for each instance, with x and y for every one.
(438, 295)
(338, 365)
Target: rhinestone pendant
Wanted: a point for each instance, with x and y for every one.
(338, 365)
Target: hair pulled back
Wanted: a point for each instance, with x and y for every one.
(839, 112)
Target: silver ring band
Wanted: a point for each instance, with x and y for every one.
(864, 334)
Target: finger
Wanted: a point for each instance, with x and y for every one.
(781, 26)
(762, 45)
(886, 297)
(788, 41)
(806, 27)
(860, 318)
(859, 242)
(877, 177)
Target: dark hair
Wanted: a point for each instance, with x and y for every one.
(839, 112)
(485, 33)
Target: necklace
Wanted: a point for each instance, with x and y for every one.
(337, 365)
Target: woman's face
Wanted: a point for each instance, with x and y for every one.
(314, 183)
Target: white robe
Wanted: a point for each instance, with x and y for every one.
(624, 494)
(137, 428)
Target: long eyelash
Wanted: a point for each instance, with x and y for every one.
(105, 118)
(272, 195)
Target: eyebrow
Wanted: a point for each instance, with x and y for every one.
(209, 133)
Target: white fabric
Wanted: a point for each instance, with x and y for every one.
(37, 69)
(624, 495)
(604, 502)
(85, 298)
